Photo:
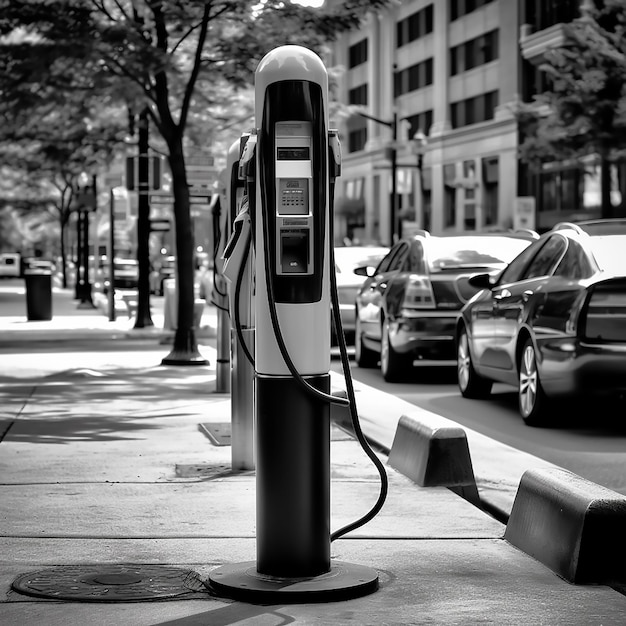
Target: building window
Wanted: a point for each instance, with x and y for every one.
(545, 13)
(358, 95)
(473, 110)
(415, 26)
(458, 8)
(357, 53)
(562, 190)
(534, 81)
(490, 190)
(474, 52)
(357, 139)
(421, 121)
(414, 77)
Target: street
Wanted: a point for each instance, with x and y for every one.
(589, 440)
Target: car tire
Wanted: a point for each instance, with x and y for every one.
(532, 400)
(471, 384)
(364, 357)
(393, 366)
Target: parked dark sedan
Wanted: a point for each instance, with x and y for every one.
(408, 307)
(553, 323)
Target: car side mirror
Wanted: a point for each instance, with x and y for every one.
(481, 281)
(366, 270)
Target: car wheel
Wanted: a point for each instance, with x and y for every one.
(532, 399)
(363, 356)
(471, 384)
(394, 366)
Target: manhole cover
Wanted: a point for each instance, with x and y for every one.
(110, 583)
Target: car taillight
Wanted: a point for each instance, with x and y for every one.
(604, 318)
(418, 294)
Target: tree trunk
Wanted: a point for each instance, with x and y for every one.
(143, 318)
(185, 349)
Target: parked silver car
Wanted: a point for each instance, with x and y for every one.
(553, 323)
(347, 259)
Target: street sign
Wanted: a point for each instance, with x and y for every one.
(113, 179)
(86, 201)
(200, 160)
(161, 199)
(193, 199)
(200, 200)
(132, 172)
(201, 173)
(524, 212)
(159, 226)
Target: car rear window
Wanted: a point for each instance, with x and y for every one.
(610, 252)
(473, 252)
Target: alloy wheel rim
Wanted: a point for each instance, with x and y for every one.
(528, 381)
(463, 362)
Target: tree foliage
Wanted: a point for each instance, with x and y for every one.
(164, 57)
(584, 111)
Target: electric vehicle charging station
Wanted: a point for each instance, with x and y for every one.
(238, 271)
(292, 352)
(220, 291)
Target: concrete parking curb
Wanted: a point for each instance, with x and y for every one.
(433, 452)
(573, 526)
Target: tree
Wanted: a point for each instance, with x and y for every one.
(57, 124)
(584, 111)
(158, 56)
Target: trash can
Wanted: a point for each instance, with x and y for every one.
(170, 307)
(38, 294)
(170, 304)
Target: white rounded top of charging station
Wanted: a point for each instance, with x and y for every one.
(291, 63)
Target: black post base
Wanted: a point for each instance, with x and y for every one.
(344, 581)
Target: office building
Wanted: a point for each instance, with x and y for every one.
(446, 74)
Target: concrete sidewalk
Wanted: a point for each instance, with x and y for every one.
(106, 472)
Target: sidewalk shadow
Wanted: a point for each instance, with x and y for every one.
(87, 405)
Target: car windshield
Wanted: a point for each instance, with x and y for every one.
(472, 252)
(610, 252)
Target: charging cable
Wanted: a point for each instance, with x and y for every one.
(350, 401)
(354, 416)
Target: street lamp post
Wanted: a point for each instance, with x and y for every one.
(87, 204)
(395, 225)
(418, 147)
(392, 154)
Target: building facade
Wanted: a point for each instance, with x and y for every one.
(436, 82)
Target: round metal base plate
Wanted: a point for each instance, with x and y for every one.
(344, 581)
(183, 358)
(109, 583)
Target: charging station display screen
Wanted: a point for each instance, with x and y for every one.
(293, 154)
(293, 196)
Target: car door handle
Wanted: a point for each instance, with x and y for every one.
(505, 293)
(527, 295)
